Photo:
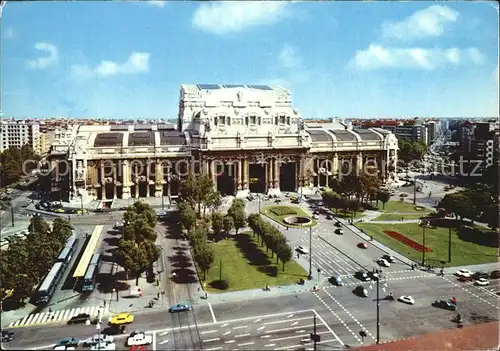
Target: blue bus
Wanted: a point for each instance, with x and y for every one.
(49, 283)
(88, 284)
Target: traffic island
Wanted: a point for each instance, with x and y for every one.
(281, 214)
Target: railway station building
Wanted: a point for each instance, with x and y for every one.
(248, 138)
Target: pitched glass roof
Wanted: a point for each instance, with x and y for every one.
(108, 139)
(233, 86)
(260, 87)
(141, 139)
(208, 86)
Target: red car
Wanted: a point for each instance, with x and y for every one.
(362, 245)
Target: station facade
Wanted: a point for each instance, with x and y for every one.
(248, 138)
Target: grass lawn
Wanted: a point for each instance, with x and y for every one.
(404, 207)
(467, 246)
(347, 214)
(397, 217)
(292, 210)
(246, 265)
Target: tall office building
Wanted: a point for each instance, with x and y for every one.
(15, 133)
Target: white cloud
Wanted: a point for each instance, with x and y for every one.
(9, 33)
(156, 3)
(138, 62)
(43, 62)
(235, 16)
(429, 22)
(289, 57)
(379, 57)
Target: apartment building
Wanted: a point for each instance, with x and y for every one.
(15, 133)
(479, 142)
(411, 132)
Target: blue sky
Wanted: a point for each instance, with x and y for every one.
(350, 59)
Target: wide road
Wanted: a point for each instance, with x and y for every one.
(285, 322)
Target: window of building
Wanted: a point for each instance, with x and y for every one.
(282, 119)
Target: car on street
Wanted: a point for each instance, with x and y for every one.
(362, 245)
(384, 263)
(320, 204)
(68, 342)
(360, 291)
(407, 299)
(26, 204)
(463, 273)
(373, 275)
(495, 274)
(329, 216)
(465, 278)
(59, 210)
(114, 330)
(180, 307)
(338, 224)
(63, 348)
(79, 318)
(478, 275)
(138, 338)
(447, 305)
(336, 280)
(482, 282)
(122, 318)
(103, 346)
(339, 231)
(7, 335)
(302, 250)
(315, 216)
(100, 338)
(363, 276)
(389, 258)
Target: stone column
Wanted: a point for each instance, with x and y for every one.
(158, 179)
(103, 186)
(148, 174)
(317, 170)
(115, 179)
(126, 180)
(335, 164)
(213, 172)
(240, 174)
(169, 180)
(359, 163)
(276, 174)
(245, 174)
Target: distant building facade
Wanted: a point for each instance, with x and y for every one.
(479, 142)
(15, 133)
(248, 138)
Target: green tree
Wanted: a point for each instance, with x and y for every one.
(23, 286)
(284, 253)
(253, 222)
(217, 224)
(131, 257)
(198, 191)
(61, 230)
(411, 150)
(38, 225)
(151, 252)
(384, 197)
(228, 224)
(237, 213)
(204, 257)
(187, 216)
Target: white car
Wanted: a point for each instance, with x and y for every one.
(139, 339)
(482, 282)
(315, 216)
(103, 346)
(407, 299)
(102, 338)
(63, 348)
(463, 273)
(384, 263)
(302, 250)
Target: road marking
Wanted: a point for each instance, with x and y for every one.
(163, 342)
(242, 335)
(300, 331)
(153, 341)
(265, 336)
(287, 329)
(241, 327)
(224, 325)
(269, 345)
(258, 320)
(164, 333)
(295, 323)
(247, 343)
(289, 316)
(230, 341)
(296, 319)
(471, 293)
(227, 333)
(261, 327)
(212, 312)
(210, 340)
(303, 345)
(206, 332)
(297, 336)
(214, 348)
(340, 320)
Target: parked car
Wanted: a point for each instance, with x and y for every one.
(100, 338)
(103, 346)
(180, 307)
(383, 263)
(465, 278)
(362, 245)
(495, 274)
(389, 258)
(114, 330)
(479, 275)
(407, 299)
(447, 305)
(338, 224)
(373, 275)
(79, 318)
(26, 204)
(302, 250)
(363, 276)
(463, 273)
(137, 338)
(315, 216)
(336, 280)
(360, 291)
(122, 318)
(339, 231)
(329, 216)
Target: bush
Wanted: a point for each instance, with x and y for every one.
(283, 211)
(220, 284)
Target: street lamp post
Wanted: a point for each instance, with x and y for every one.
(414, 190)
(310, 254)
(424, 224)
(377, 282)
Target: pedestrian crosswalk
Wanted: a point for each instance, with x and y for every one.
(56, 316)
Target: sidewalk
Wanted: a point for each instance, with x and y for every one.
(125, 303)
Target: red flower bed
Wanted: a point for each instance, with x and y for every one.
(407, 241)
